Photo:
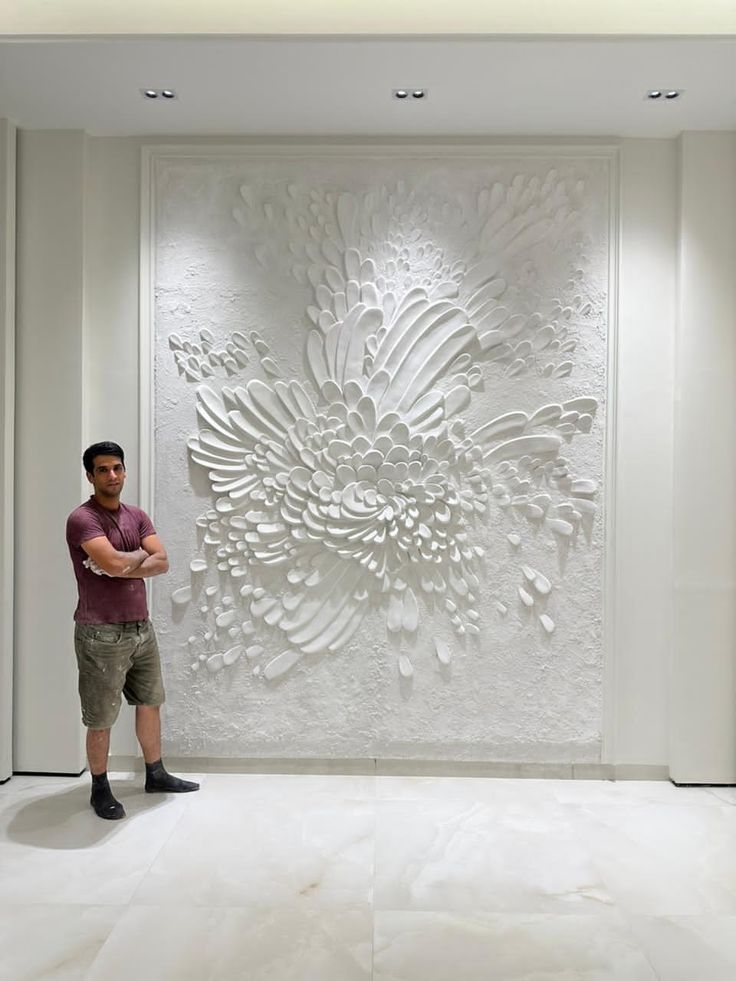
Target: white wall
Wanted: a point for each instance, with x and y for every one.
(49, 378)
(703, 732)
(643, 535)
(7, 420)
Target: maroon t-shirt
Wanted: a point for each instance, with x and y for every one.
(107, 599)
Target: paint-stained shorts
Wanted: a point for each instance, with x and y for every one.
(116, 659)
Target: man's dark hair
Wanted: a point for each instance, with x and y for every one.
(101, 449)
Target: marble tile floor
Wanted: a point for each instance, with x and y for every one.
(330, 878)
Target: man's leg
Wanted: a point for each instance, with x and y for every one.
(148, 731)
(98, 748)
(102, 800)
(101, 673)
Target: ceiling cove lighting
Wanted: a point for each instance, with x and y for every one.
(409, 93)
(669, 94)
(158, 94)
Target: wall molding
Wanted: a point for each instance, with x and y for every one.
(610, 610)
(154, 153)
(402, 768)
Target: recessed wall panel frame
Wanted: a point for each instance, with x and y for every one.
(154, 154)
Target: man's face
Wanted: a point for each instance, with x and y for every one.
(108, 476)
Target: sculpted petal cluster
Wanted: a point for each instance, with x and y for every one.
(362, 507)
(360, 489)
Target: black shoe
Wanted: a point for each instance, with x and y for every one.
(160, 781)
(103, 802)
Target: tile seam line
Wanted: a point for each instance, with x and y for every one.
(150, 865)
(122, 910)
(627, 917)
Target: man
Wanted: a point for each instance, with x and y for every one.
(114, 547)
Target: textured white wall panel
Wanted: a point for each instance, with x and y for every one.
(379, 416)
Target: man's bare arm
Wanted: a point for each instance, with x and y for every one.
(107, 558)
(155, 563)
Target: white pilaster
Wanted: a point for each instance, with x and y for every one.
(642, 479)
(7, 425)
(49, 436)
(703, 688)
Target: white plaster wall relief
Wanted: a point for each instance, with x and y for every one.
(400, 465)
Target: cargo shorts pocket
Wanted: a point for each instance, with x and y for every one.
(105, 633)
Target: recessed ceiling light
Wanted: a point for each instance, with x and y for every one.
(415, 93)
(664, 94)
(158, 93)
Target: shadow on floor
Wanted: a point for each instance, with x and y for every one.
(65, 820)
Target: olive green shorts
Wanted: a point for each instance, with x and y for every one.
(116, 659)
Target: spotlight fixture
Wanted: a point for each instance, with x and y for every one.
(668, 94)
(158, 93)
(405, 93)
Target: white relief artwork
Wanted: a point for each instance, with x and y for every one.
(384, 382)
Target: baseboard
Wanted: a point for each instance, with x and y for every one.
(640, 771)
(404, 768)
(48, 773)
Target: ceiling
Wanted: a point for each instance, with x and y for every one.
(341, 86)
(560, 17)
